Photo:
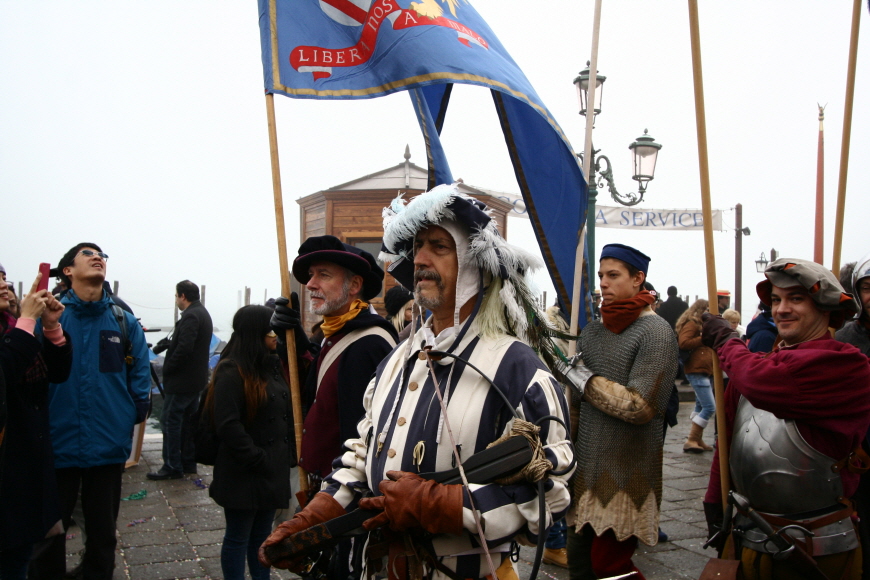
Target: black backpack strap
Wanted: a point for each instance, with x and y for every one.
(122, 322)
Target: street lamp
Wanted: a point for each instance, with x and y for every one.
(644, 151)
(761, 264)
(582, 84)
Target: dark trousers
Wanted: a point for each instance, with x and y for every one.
(13, 562)
(177, 423)
(101, 498)
(245, 532)
(591, 556)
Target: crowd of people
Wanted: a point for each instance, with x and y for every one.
(465, 361)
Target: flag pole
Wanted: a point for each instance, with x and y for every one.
(701, 123)
(290, 339)
(847, 136)
(579, 261)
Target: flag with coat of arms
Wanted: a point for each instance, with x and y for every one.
(360, 49)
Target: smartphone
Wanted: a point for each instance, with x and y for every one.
(43, 282)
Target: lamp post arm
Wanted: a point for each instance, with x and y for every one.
(606, 174)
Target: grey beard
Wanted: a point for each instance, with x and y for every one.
(433, 302)
(330, 306)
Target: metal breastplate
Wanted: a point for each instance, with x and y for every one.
(781, 474)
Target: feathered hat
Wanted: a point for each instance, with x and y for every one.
(489, 268)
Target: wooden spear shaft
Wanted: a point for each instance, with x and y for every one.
(701, 123)
(579, 262)
(295, 397)
(847, 137)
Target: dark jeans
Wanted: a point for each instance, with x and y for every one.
(557, 536)
(101, 497)
(13, 562)
(177, 423)
(245, 532)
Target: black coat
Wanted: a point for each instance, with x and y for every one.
(671, 309)
(185, 369)
(252, 470)
(29, 504)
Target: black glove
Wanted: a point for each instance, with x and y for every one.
(161, 345)
(286, 317)
(716, 331)
(714, 515)
(142, 409)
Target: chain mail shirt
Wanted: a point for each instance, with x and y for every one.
(618, 481)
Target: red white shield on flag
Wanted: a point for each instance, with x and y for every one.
(347, 12)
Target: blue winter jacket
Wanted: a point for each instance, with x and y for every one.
(93, 412)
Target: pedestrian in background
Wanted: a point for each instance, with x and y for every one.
(699, 372)
(250, 405)
(672, 308)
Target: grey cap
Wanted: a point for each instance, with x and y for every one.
(821, 284)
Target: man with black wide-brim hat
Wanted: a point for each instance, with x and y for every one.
(340, 279)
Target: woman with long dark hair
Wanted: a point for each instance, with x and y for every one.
(250, 402)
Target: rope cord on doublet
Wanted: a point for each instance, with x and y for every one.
(538, 468)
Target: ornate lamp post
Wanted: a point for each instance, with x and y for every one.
(644, 155)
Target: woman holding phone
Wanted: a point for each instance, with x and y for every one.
(30, 358)
(250, 403)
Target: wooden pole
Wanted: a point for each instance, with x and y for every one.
(738, 259)
(819, 245)
(579, 262)
(290, 339)
(847, 137)
(701, 124)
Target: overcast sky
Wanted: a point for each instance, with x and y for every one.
(141, 126)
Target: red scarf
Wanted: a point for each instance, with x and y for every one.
(620, 314)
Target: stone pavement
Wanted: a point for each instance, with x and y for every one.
(175, 531)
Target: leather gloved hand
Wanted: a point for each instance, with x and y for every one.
(142, 410)
(716, 331)
(409, 501)
(714, 515)
(286, 317)
(320, 509)
(576, 372)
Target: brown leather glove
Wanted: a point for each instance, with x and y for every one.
(409, 501)
(716, 331)
(320, 509)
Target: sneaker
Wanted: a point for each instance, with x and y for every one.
(556, 557)
(163, 474)
(663, 537)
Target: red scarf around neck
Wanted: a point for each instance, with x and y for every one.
(620, 314)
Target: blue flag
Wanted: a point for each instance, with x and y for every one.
(359, 49)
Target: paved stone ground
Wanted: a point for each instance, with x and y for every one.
(176, 530)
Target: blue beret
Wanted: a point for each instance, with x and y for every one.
(628, 255)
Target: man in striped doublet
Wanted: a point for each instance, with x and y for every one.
(445, 247)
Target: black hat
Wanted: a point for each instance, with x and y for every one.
(395, 298)
(331, 249)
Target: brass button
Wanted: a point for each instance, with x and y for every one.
(413, 386)
(421, 355)
(391, 453)
(401, 421)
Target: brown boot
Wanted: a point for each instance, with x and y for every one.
(694, 443)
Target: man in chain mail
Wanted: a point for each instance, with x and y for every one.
(795, 419)
(627, 372)
(426, 412)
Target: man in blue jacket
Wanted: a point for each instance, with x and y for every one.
(94, 411)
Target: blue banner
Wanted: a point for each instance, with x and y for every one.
(358, 49)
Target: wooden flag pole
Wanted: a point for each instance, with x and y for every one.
(701, 123)
(579, 261)
(847, 137)
(295, 395)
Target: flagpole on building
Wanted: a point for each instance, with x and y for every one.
(579, 260)
(285, 282)
(847, 136)
(701, 124)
